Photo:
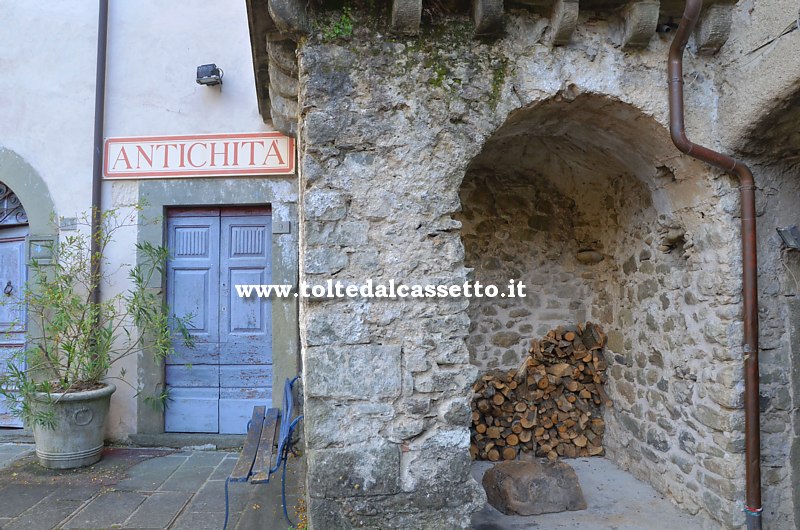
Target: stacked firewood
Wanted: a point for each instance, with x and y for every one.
(551, 405)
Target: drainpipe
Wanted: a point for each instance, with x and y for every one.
(97, 155)
(747, 188)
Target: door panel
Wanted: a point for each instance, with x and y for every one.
(192, 374)
(13, 317)
(231, 364)
(245, 322)
(192, 410)
(236, 407)
(192, 280)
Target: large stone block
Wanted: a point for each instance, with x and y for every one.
(324, 205)
(345, 325)
(437, 461)
(364, 372)
(324, 260)
(338, 424)
(355, 471)
(533, 488)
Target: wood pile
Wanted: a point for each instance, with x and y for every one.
(551, 405)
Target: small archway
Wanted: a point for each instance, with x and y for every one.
(26, 210)
(31, 190)
(585, 200)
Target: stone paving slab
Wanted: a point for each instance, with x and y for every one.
(11, 452)
(17, 499)
(151, 474)
(158, 510)
(142, 489)
(193, 473)
(107, 510)
(45, 516)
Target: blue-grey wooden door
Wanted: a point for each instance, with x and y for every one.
(13, 320)
(214, 385)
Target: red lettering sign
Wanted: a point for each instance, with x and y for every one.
(201, 155)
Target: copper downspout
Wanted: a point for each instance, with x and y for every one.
(749, 257)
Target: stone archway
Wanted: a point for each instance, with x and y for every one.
(593, 176)
(31, 190)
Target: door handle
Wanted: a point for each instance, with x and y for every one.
(9, 288)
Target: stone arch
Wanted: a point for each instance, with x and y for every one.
(585, 199)
(759, 95)
(31, 190)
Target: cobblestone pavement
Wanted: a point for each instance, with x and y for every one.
(139, 489)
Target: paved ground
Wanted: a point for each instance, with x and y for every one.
(159, 489)
(615, 499)
(139, 489)
(12, 451)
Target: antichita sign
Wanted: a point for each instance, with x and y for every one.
(199, 155)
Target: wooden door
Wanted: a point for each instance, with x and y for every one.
(13, 320)
(214, 386)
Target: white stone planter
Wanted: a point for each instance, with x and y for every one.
(77, 439)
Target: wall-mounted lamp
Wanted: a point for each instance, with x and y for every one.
(790, 236)
(209, 75)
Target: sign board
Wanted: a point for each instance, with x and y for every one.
(199, 155)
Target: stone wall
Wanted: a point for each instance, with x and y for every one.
(520, 227)
(389, 129)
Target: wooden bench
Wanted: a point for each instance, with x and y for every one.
(255, 462)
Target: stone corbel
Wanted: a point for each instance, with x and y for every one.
(290, 16)
(563, 21)
(713, 29)
(488, 16)
(406, 15)
(283, 84)
(640, 20)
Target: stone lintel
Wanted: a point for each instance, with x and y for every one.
(640, 20)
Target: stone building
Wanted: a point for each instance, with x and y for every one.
(438, 142)
(444, 142)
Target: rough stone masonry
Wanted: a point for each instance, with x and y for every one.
(442, 158)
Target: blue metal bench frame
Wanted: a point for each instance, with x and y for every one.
(254, 463)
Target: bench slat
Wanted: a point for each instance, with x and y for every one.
(265, 447)
(241, 471)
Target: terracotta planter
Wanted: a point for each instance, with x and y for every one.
(77, 439)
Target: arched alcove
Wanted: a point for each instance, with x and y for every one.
(586, 201)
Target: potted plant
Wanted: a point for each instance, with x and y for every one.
(58, 383)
